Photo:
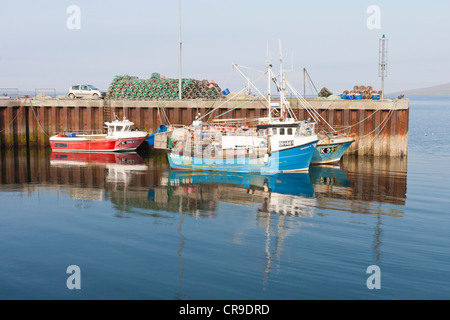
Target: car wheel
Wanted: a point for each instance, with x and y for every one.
(96, 96)
(71, 96)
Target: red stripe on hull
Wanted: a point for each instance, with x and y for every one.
(97, 145)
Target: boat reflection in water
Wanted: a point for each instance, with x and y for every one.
(199, 192)
(297, 194)
(359, 186)
(117, 168)
(362, 187)
(290, 194)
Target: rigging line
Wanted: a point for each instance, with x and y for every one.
(212, 107)
(314, 114)
(310, 87)
(228, 77)
(251, 69)
(254, 87)
(311, 82)
(165, 115)
(208, 113)
(159, 113)
(311, 109)
(283, 98)
(235, 108)
(162, 115)
(15, 117)
(37, 120)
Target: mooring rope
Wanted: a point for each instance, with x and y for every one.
(383, 124)
(342, 127)
(17, 114)
(37, 119)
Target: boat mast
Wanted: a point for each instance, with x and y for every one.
(179, 49)
(282, 83)
(268, 65)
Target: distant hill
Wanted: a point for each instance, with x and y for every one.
(440, 90)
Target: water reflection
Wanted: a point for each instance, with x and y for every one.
(142, 181)
(119, 169)
(143, 184)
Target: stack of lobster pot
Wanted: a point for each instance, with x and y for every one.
(361, 92)
(161, 88)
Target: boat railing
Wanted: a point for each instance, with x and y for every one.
(82, 132)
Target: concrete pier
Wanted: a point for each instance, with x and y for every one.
(380, 127)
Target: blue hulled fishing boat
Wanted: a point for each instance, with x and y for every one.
(277, 143)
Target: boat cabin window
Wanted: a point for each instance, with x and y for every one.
(289, 131)
(281, 131)
(113, 129)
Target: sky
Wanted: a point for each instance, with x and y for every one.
(45, 44)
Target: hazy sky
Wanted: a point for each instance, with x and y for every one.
(331, 39)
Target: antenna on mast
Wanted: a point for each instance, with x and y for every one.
(383, 62)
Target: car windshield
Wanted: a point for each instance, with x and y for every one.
(92, 87)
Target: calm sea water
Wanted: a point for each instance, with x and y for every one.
(136, 230)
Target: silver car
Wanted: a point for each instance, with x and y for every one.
(86, 91)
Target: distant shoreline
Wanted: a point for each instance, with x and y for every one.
(406, 94)
(439, 90)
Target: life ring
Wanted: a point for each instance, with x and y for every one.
(262, 144)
